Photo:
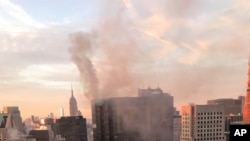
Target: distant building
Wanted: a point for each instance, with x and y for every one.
(203, 123)
(72, 128)
(90, 132)
(73, 105)
(148, 117)
(3, 130)
(49, 124)
(15, 115)
(177, 126)
(61, 112)
(40, 135)
(232, 106)
(51, 115)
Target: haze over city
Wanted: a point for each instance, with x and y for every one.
(195, 50)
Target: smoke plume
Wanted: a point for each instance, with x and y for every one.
(177, 45)
(117, 48)
(82, 44)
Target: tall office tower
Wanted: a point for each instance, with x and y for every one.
(177, 126)
(148, 117)
(72, 128)
(14, 120)
(73, 105)
(203, 123)
(61, 112)
(246, 113)
(232, 106)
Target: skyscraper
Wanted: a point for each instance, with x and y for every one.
(14, 116)
(73, 105)
(246, 113)
(61, 112)
(148, 117)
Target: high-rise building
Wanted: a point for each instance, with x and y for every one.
(61, 112)
(232, 106)
(14, 116)
(73, 105)
(72, 128)
(177, 126)
(148, 117)
(203, 123)
(246, 113)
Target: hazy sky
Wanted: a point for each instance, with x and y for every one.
(196, 49)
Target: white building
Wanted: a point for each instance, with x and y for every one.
(62, 112)
(203, 123)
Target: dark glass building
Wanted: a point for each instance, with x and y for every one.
(72, 128)
(148, 117)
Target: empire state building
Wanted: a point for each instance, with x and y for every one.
(73, 105)
(246, 112)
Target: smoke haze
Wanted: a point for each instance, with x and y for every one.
(117, 52)
(168, 44)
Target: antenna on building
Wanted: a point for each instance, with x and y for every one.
(71, 90)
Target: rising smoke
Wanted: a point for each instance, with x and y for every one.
(116, 42)
(175, 35)
(82, 44)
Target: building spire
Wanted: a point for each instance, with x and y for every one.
(246, 112)
(72, 93)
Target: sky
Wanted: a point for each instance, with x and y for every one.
(196, 50)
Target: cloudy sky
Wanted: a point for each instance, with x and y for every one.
(196, 50)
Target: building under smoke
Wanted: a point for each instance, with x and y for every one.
(148, 117)
(232, 106)
(177, 126)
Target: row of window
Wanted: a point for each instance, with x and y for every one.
(209, 130)
(210, 113)
(209, 134)
(212, 117)
(210, 126)
(211, 121)
(207, 139)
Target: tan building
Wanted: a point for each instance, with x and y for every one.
(203, 123)
(232, 106)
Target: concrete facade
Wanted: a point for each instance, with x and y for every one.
(203, 123)
(232, 106)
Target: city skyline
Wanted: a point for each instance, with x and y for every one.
(197, 52)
